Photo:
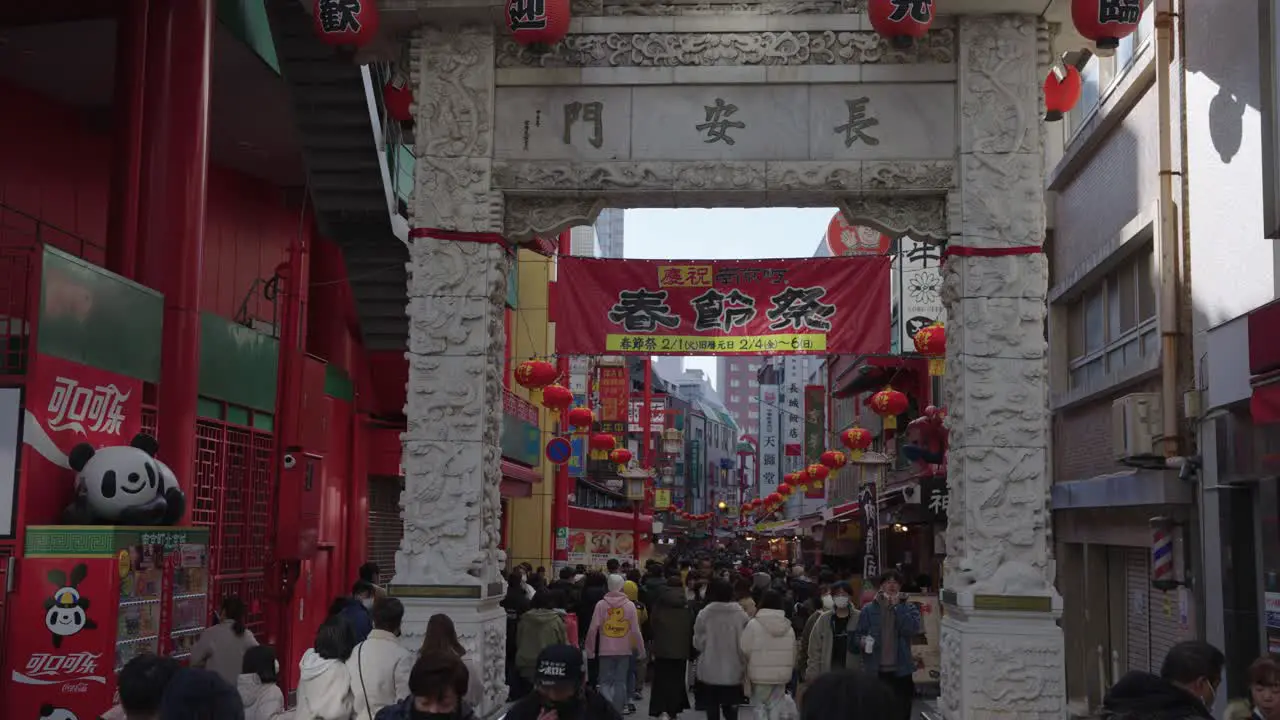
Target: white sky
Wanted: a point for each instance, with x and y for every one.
(725, 233)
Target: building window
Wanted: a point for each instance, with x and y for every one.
(1101, 74)
(735, 398)
(753, 367)
(752, 383)
(1112, 326)
(753, 414)
(734, 367)
(735, 383)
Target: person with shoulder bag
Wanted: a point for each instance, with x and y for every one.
(379, 666)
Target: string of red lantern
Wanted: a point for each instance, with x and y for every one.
(889, 404)
(931, 342)
(1062, 89)
(346, 22)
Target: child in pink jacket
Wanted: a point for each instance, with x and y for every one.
(614, 634)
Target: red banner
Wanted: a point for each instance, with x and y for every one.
(814, 306)
(614, 394)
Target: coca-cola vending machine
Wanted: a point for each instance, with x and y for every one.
(90, 598)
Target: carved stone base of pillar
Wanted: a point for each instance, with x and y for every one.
(481, 626)
(1002, 657)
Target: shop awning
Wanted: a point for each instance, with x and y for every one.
(1264, 403)
(876, 371)
(518, 480)
(592, 519)
(841, 512)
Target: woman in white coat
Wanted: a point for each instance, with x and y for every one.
(769, 645)
(324, 688)
(717, 632)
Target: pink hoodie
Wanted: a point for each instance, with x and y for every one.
(615, 623)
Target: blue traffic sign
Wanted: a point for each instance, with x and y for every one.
(559, 450)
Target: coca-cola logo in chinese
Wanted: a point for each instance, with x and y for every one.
(85, 409)
(73, 671)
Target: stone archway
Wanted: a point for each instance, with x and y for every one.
(636, 109)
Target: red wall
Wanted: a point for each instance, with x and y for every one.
(54, 167)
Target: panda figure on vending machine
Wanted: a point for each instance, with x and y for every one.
(123, 485)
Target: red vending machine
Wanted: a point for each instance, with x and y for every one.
(90, 598)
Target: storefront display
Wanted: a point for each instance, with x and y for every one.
(594, 548)
(107, 595)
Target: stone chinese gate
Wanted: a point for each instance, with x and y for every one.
(787, 103)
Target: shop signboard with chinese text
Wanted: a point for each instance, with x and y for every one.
(770, 441)
(578, 459)
(920, 285)
(791, 417)
(936, 497)
(869, 507)
(657, 415)
(815, 414)
(521, 437)
(708, 307)
(614, 391)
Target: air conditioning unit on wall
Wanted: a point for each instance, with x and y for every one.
(1135, 430)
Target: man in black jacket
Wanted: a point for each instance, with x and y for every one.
(561, 692)
(1185, 689)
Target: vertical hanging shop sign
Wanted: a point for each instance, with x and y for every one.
(770, 440)
(791, 417)
(815, 416)
(614, 394)
(868, 502)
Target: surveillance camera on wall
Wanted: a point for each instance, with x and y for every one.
(290, 461)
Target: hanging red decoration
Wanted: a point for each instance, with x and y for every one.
(581, 418)
(533, 375)
(622, 457)
(902, 22)
(1106, 22)
(833, 459)
(931, 342)
(1062, 89)
(346, 22)
(785, 489)
(538, 22)
(600, 445)
(397, 97)
(557, 398)
(857, 439)
(889, 404)
(774, 498)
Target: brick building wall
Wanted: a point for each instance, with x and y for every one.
(1082, 436)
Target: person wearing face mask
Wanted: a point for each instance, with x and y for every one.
(437, 685)
(355, 609)
(561, 691)
(380, 666)
(884, 632)
(831, 645)
(812, 609)
(516, 603)
(1186, 687)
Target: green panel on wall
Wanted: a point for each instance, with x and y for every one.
(513, 286)
(237, 364)
(521, 440)
(207, 408)
(97, 318)
(337, 384)
(247, 21)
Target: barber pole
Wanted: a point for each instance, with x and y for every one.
(1162, 556)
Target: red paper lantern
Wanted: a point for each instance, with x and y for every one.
(535, 374)
(581, 418)
(1105, 22)
(538, 22)
(785, 489)
(901, 21)
(622, 457)
(889, 404)
(774, 498)
(832, 459)
(600, 445)
(557, 398)
(857, 440)
(1062, 88)
(345, 22)
(931, 342)
(818, 472)
(397, 97)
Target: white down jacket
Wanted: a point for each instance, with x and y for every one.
(769, 645)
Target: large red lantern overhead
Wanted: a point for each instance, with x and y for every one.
(346, 22)
(774, 498)
(901, 21)
(931, 342)
(581, 418)
(538, 22)
(817, 472)
(622, 457)
(535, 375)
(857, 439)
(557, 398)
(889, 404)
(1106, 22)
(833, 459)
(785, 489)
(397, 97)
(600, 445)
(1062, 89)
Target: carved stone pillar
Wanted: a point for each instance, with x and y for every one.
(1001, 648)
(449, 561)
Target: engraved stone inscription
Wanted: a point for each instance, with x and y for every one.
(859, 122)
(591, 113)
(718, 123)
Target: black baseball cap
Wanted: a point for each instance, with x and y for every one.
(560, 665)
